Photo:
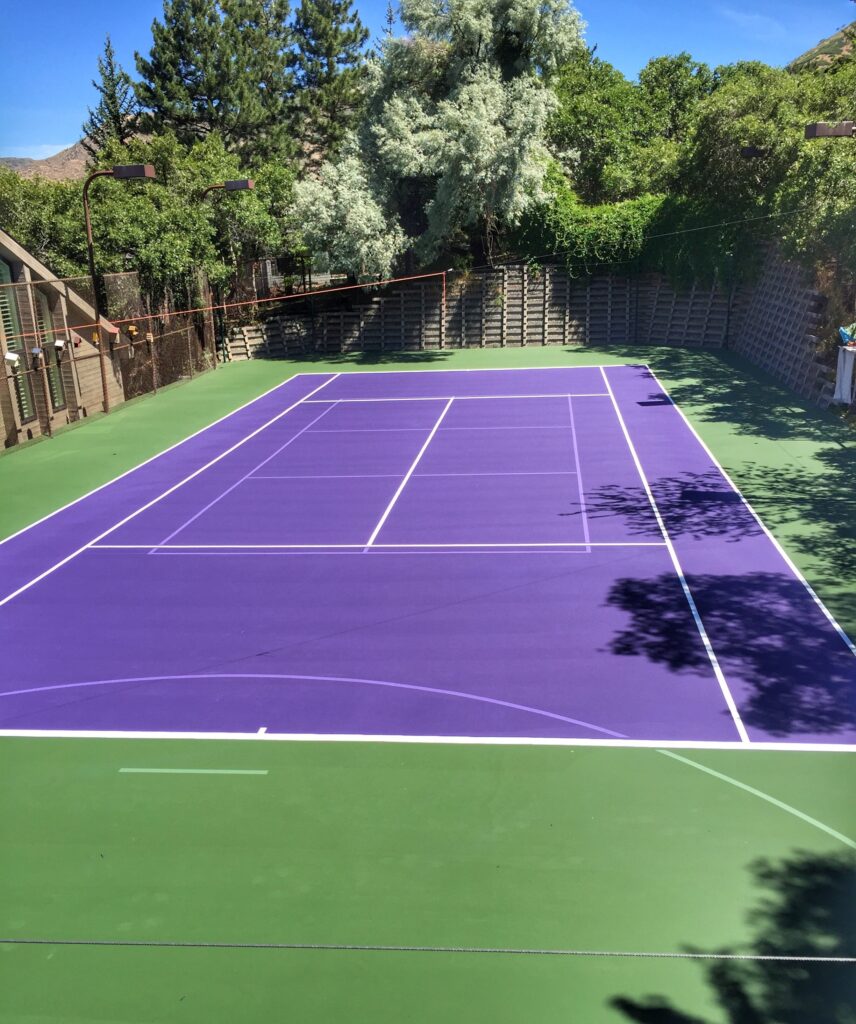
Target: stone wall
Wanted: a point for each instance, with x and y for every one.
(771, 321)
(776, 324)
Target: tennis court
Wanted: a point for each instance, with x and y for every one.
(445, 572)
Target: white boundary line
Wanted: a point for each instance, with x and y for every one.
(579, 474)
(270, 391)
(511, 741)
(247, 476)
(788, 560)
(714, 661)
(358, 547)
(165, 451)
(160, 497)
(457, 398)
(488, 369)
(408, 475)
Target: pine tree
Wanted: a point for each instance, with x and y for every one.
(219, 66)
(117, 113)
(328, 66)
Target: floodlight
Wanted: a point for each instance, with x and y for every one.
(60, 343)
(824, 130)
(239, 186)
(13, 358)
(125, 171)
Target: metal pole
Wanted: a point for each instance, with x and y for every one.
(90, 252)
(40, 367)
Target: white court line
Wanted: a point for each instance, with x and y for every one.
(846, 840)
(579, 474)
(207, 508)
(515, 426)
(787, 558)
(500, 741)
(160, 497)
(358, 547)
(506, 472)
(325, 476)
(193, 771)
(458, 398)
(416, 476)
(485, 369)
(408, 475)
(714, 661)
(265, 394)
(145, 462)
(369, 430)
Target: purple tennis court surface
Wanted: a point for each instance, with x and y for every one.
(518, 554)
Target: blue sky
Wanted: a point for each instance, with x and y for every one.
(53, 47)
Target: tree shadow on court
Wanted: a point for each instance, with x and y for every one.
(764, 628)
(723, 387)
(806, 910)
(801, 487)
(692, 504)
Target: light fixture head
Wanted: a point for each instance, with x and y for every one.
(132, 171)
(825, 130)
(240, 185)
(13, 358)
(60, 343)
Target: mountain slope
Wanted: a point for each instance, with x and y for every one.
(827, 51)
(67, 165)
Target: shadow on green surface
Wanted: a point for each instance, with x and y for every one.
(361, 358)
(807, 911)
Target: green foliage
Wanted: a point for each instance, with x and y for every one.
(46, 217)
(161, 229)
(220, 65)
(587, 238)
(755, 106)
(117, 114)
(599, 129)
(328, 72)
(700, 207)
(451, 146)
(672, 87)
(343, 224)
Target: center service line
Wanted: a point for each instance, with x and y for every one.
(193, 771)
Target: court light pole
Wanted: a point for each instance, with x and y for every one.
(123, 172)
(237, 185)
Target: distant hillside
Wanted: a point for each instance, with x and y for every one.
(68, 165)
(827, 51)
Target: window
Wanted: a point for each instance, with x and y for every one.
(10, 331)
(47, 337)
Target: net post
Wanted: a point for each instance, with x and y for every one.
(443, 314)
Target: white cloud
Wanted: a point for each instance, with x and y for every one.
(39, 152)
(758, 26)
